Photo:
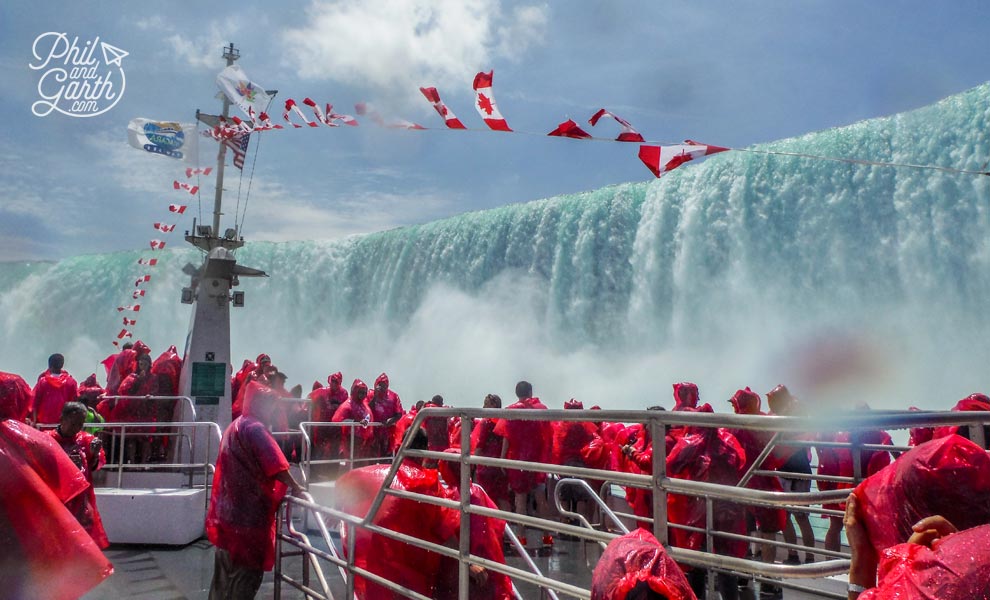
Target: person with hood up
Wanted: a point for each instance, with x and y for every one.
(263, 372)
(635, 566)
(437, 428)
(86, 451)
(686, 396)
(251, 479)
(55, 387)
(123, 365)
(326, 401)
(355, 409)
(386, 408)
(138, 409)
(972, 402)
(46, 554)
(526, 441)
(768, 521)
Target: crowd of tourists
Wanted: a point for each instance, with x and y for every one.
(899, 537)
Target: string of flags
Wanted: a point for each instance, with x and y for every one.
(179, 141)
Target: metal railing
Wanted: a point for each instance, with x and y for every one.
(347, 461)
(657, 423)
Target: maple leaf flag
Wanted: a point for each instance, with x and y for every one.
(484, 102)
(570, 129)
(333, 117)
(192, 189)
(191, 172)
(148, 261)
(449, 118)
(124, 333)
(628, 134)
(135, 308)
(177, 208)
(137, 294)
(660, 159)
(322, 118)
(164, 227)
(142, 279)
(157, 245)
(290, 105)
(130, 321)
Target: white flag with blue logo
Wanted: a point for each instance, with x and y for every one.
(165, 138)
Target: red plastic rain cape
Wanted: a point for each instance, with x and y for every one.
(124, 364)
(15, 397)
(715, 456)
(569, 438)
(973, 402)
(527, 441)
(484, 442)
(51, 393)
(245, 494)
(957, 567)
(946, 476)
(839, 461)
(167, 368)
(46, 552)
(411, 567)
(634, 558)
(326, 440)
(83, 506)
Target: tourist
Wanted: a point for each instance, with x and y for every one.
(355, 409)
(386, 408)
(55, 387)
(250, 481)
(635, 566)
(86, 451)
(485, 442)
(326, 401)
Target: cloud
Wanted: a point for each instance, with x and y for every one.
(201, 51)
(395, 46)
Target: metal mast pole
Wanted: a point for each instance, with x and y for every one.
(230, 54)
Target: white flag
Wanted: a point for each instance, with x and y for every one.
(167, 138)
(247, 95)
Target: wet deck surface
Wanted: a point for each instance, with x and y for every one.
(175, 573)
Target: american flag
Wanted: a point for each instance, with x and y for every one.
(238, 143)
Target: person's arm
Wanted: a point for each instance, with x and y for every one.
(290, 482)
(929, 529)
(863, 566)
(505, 447)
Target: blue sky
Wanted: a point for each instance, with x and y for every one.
(726, 73)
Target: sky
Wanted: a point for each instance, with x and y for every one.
(730, 73)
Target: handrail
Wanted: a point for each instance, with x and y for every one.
(657, 481)
(188, 401)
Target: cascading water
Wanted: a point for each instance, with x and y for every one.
(848, 282)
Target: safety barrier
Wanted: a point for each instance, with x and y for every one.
(783, 430)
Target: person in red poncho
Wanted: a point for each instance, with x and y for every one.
(55, 387)
(437, 428)
(569, 439)
(710, 455)
(527, 440)
(686, 396)
(262, 371)
(46, 553)
(936, 562)
(355, 409)
(768, 521)
(123, 365)
(973, 402)
(326, 401)
(485, 442)
(386, 408)
(250, 481)
(137, 409)
(635, 566)
(486, 542)
(636, 456)
(86, 451)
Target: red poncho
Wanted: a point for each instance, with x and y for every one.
(46, 552)
(437, 430)
(90, 390)
(245, 493)
(635, 558)
(957, 567)
(123, 365)
(326, 401)
(83, 506)
(839, 461)
(973, 402)
(946, 476)
(15, 397)
(569, 439)
(714, 456)
(51, 393)
(167, 368)
(400, 428)
(135, 410)
(768, 519)
(354, 410)
(409, 566)
(527, 441)
(685, 395)
(485, 442)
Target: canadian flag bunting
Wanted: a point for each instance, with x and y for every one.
(192, 189)
(148, 261)
(137, 294)
(363, 108)
(332, 117)
(484, 102)
(124, 333)
(570, 129)
(628, 133)
(242, 125)
(322, 118)
(177, 208)
(264, 123)
(130, 321)
(191, 172)
(115, 344)
(660, 159)
(290, 104)
(142, 279)
(134, 308)
(157, 245)
(449, 119)
(164, 227)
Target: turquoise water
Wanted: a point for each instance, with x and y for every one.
(847, 282)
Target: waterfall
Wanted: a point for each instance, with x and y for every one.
(851, 283)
